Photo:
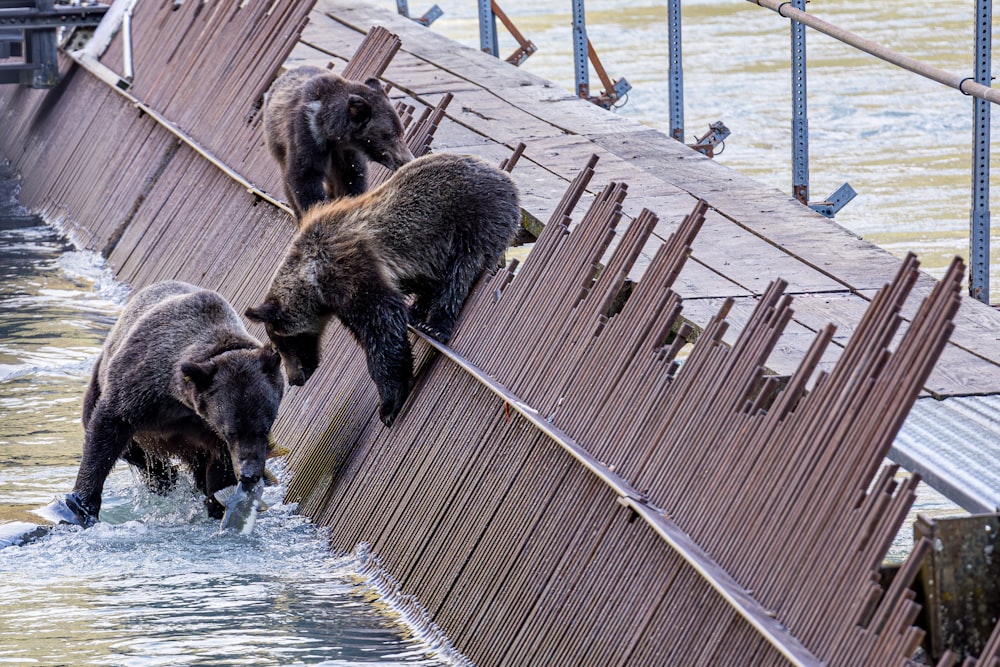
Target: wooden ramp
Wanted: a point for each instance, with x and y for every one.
(562, 487)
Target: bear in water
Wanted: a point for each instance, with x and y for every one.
(322, 129)
(429, 231)
(179, 375)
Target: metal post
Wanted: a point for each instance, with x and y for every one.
(676, 71)
(800, 120)
(488, 28)
(580, 51)
(979, 219)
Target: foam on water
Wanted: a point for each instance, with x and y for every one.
(154, 582)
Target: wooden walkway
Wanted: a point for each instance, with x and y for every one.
(751, 236)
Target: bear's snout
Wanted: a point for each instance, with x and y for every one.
(296, 377)
(251, 470)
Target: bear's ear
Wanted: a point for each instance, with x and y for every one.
(358, 108)
(199, 375)
(270, 359)
(265, 312)
(374, 84)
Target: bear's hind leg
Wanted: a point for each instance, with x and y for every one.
(157, 472)
(446, 301)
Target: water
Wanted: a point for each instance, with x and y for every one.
(154, 583)
(903, 143)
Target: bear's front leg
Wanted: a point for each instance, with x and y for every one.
(107, 437)
(304, 186)
(378, 321)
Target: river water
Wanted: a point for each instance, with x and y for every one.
(902, 142)
(154, 583)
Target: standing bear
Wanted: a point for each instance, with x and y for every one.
(429, 231)
(179, 375)
(322, 129)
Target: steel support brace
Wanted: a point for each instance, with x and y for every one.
(834, 202)
(705, 144)
(676, 71)
(800, 120)
(431, 15)
(581, 51)
(979, 219)
(488, 29)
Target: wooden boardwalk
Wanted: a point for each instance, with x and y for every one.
(752, 235)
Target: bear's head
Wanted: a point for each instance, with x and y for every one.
(298, 349)
(358, 115)
(237, 393)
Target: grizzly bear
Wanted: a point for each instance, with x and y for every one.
(322, 129)
(179, 375)
(429, 231)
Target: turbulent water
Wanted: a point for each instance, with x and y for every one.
(154, 583)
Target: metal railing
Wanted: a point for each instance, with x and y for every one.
(977, 86)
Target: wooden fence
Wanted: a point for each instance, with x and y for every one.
(573, 480)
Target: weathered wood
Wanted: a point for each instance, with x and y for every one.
(769, 233)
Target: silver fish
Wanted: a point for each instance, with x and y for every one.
(241, 505)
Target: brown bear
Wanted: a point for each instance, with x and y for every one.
(429, 231)
(179, 375)
(322, 129)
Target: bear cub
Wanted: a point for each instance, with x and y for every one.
(179, 375)
(429, 231)
(323, 129)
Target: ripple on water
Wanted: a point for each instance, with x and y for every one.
(154, 583)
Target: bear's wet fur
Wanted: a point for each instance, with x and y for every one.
(323, 129)
(429, 231)
(179, 375)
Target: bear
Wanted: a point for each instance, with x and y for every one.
(322, 129)
(428, 233)
(179, 375)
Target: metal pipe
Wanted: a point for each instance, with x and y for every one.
(979, 218)
(128, 73)
(800, 118)
(676, 70)
(488, 29)
(721, 581)
(964, 84)
(580, 50)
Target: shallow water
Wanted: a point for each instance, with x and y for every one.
(153, 583)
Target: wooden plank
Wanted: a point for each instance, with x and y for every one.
(754, 234)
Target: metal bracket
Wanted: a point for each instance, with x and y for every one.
(705, 144)
(431, 15)
(489, 12)
(613, 90)
(834, 202)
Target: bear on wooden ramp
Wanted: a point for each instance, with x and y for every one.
(179, 375)
(429, 231)
(323, 129)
